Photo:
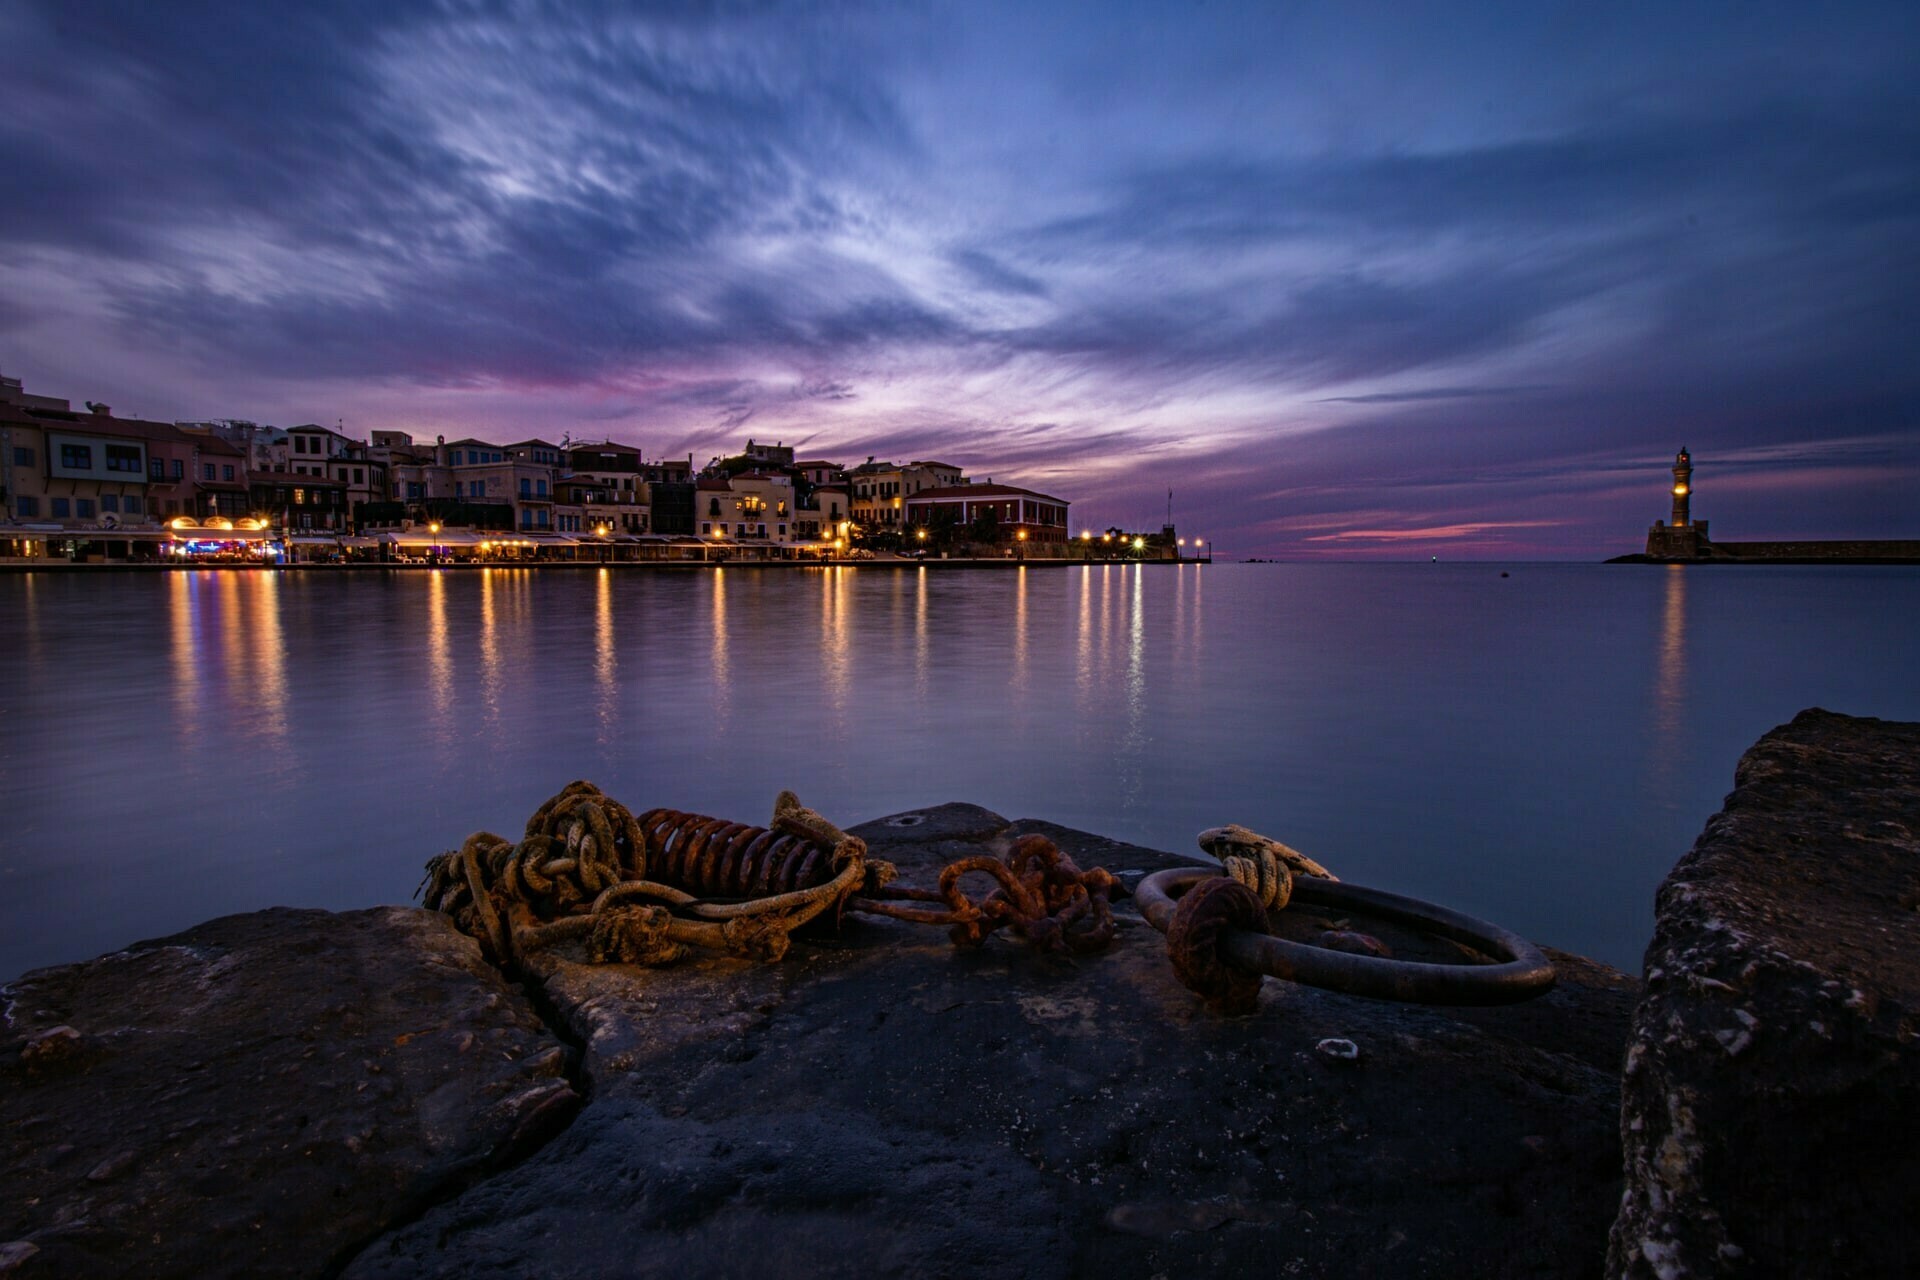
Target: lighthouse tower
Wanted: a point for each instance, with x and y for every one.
(1685, 538)
(1682, 487)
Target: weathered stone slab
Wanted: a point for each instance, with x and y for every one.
(260, 1095)
(880, 1104)
(1772, 1095)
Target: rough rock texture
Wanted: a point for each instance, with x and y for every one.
(1772, 1093)
(260, 1095)
(880, 1104)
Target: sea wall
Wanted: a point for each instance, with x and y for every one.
(1771, 1108)
(1817, 551)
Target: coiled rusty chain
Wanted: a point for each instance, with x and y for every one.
(643, 890)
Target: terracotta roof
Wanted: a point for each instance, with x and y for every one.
(715, 484)
(982, 491)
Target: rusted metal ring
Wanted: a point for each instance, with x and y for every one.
(1522, 973)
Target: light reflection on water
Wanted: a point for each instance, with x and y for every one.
(1537, 750)
(606, 667)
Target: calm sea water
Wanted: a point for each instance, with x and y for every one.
(1536, 749)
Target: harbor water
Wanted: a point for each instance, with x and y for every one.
(1536, 749)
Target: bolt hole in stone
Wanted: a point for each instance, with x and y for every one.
(907, 820)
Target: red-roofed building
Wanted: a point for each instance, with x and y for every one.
(1041, 517)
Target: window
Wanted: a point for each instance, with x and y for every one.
(543, 517)
(110, 502)
(540, 487)
(27, 506)
(61, 509)
(207, 467)
(22, 457)
(83, 508)
(459, 488)
(359, 475)
(123, 457)
(179, 469)
(526, 487)
(76, 457)
(156, 468)
(704, 526)
(299, 444)
(134, 505)
(226, 471)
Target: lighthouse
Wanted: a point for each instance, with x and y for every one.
(1684, 538)
(1682, 487)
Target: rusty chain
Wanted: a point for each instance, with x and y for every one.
(646, 890)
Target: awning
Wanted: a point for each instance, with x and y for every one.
(222, 535)
(445, 538)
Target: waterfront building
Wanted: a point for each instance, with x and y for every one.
(591, 504)
(880, 489)
(823, 514)
(1038, 516)
(301, 501)
(91, 485)
(819, 473)
(754, 508)
(311, 447)
(607, 483)
(541, 453)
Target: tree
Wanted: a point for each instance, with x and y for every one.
(985, 527)
(941, 525)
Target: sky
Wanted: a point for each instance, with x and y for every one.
(1351, 281)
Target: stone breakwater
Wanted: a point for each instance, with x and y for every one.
(295, 1093)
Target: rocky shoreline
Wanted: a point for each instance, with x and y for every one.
(303, 1093)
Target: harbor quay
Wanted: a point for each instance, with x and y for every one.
(89, 487)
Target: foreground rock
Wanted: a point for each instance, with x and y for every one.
(1772, 1094)
(260, 1095)
(879, 1104)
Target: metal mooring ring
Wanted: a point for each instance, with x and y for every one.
(1524, 971)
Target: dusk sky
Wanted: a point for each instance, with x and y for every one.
(1351, 280)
